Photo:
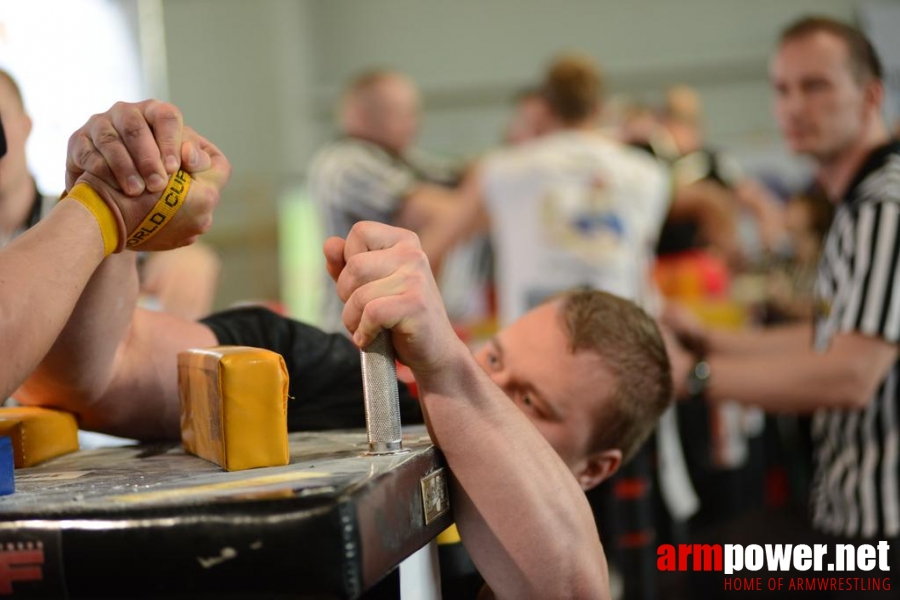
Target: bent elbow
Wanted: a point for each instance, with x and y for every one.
(587, 577)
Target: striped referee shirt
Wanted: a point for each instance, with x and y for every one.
(855, 489)
(354, 180)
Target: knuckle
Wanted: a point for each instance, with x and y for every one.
(133, 127)
(207, 203)
(96, 166)
(106, 138)
(353, 266)
(85, 156)
(371, 313)
(411, 238)
(203, 225)
(414, 287)
(416, 257)
(75, 140)
(378, 311)
(359, 228)
(146, 164)
(342, 287)
(213, 197)
(416, 278)
(350, 316)
(164, 111)
(358, 301)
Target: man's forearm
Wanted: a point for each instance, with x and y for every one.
(845, 377)
(522, 516)
(442, 218)
(42, 275)
(761, 342)
(79, 366)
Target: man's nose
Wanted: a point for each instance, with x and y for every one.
(792, 104)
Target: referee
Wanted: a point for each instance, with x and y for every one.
(827, 82)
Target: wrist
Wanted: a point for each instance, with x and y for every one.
(450, 376)
(698, 379)
(698, 341)
(85, 196)
(80, 226)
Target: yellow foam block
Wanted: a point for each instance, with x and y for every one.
(38, 434)
(234, 406)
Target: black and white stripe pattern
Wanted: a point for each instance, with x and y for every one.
(855, 488)
(353, 180)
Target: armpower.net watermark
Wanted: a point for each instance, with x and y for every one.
(800, 567)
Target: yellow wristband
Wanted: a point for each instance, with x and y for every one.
(163, 212)
(109, 228)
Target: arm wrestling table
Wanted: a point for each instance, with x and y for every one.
(152, 521)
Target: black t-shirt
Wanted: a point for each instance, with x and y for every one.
(705, 164)
(324, 369)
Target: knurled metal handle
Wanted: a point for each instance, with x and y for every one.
(382, 400)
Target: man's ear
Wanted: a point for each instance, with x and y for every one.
(598, 467)
(874, 94)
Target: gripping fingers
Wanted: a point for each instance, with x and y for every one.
(359, 300)
(194, 158)
(136, 135)
(361, 269)
(106, 139)
(333, 249)
(83, 157)
(368, 235)
(385, 312)
(201, 201)
(166, 122)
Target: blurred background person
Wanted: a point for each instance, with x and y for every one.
(21, 204)
(721, 223)
(842, 366)
(572, 207)
(530, 118)
(791, 279)
(710, 187)
(373, 172)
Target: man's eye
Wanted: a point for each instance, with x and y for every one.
(526, 400)
(492, 359)
(815, 86)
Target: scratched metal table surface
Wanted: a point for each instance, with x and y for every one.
(151, 521)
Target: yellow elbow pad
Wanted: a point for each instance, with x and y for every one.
(234, 406)
(38, 434)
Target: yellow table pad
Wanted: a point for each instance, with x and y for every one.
(234, 406)
(38, 434)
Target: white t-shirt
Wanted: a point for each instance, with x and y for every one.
(573, 209)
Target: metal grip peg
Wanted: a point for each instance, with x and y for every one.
(382, 400)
